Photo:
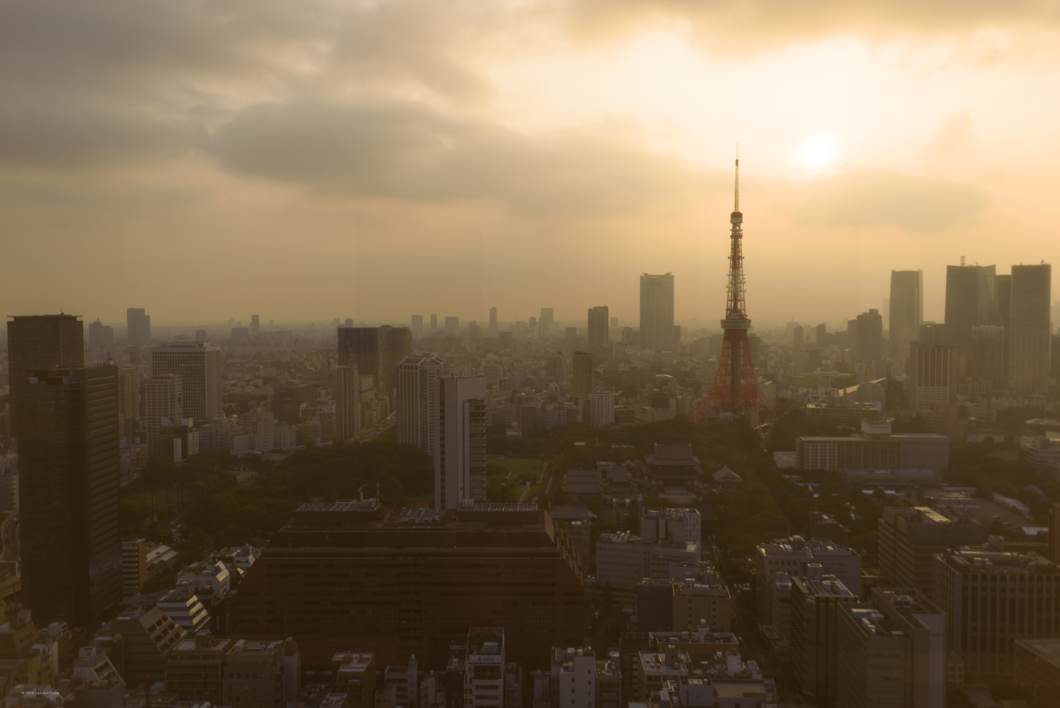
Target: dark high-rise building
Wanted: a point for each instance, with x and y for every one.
(255, 325)
(971, 299)
(1030, 338)
(868, 337)
(547, 322)
(41, 342)
(932, 371)
(906, 310)
(582, 375)
(599, 330)
(67, 430)
(657, 311)
(376, 351)
(138, 326)
(198, 365)
(493, 319)
(100, 337)
(411, 582)
(434, 322)
(418, 400)
(417, 325)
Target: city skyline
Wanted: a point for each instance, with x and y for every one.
(321, 166)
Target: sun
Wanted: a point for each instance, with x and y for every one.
(817, 153)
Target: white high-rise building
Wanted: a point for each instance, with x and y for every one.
(347, 403)
(484, 668)
(460, 442)
(199, 367)
(573, 679)
(601, 409)
(418, 392)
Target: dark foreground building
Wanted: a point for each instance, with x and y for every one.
(346, 575)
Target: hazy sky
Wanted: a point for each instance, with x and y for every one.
(208, 159)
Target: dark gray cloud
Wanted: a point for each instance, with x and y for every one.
(880, 198)
(404, 151)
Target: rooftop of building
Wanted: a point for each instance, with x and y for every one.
(671, 454)
(984, 559)
(873, 622)
(485, 642)
(801, 545)
(202, 645)
(823, 586)
(256, 648)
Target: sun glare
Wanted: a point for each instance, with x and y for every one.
(817, 153)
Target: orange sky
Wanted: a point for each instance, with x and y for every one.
(373, 159)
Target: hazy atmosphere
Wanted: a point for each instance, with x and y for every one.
(373, 159)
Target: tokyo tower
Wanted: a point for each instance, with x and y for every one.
(735, 388)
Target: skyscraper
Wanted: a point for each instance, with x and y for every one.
(163, 405)
(460, 442)
(1030, 338)
(100, 337)
(547, 322)
(735, 387)
(582, 375)
(199, 367)
(906, 311)
(67, 430)
(255, 325)
(868, 337)
(493, 319)
(376, 351)
(971, 299)
(138, 326)
(42, 342)
(418, 391)
(657, 311)
(347, 402)
(417, 325)
(932, 371)
(599, 330)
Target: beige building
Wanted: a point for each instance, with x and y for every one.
(695, 603)
(909, 537)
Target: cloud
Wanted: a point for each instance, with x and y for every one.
(406, 151)
(871, 198)
(751, 25)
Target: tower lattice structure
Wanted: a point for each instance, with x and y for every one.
(735, 386)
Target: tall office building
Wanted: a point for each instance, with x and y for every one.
(129, 412)
(138, 326)
(418, 391)
(908, 537)
(163, 405)
(417, 325)
(199, 367)
(599, 330)
(434, 322)
(971, 299)
(657, 311)
(547, 322)
(892, 652)
(41, 342)
(932, 371)
(1030, 338)
(991, 598)
(816, 604)
(67, 430)
(493, 319)
(255, 325)
(460, 442)
(906, 311)
(582, 375)
(100, 337)
(376, 351)
(868, 337)
(347, 402)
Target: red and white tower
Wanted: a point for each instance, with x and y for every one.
(736, 388)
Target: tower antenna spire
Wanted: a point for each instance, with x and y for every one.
(736, 190)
